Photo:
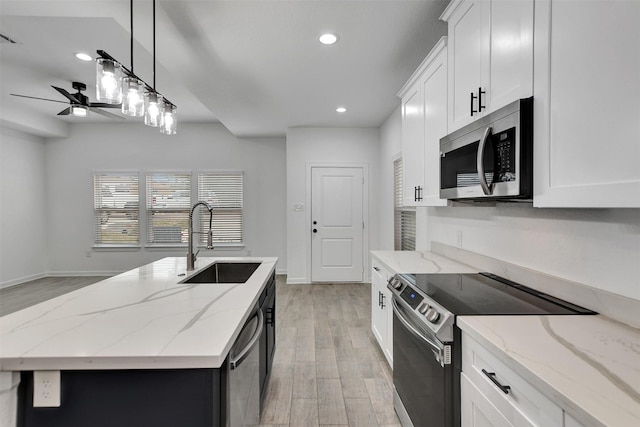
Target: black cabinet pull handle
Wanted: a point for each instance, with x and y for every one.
(315, 230)
(473, 97)
(415, 194)
(480, 93)
(492, 376)
(418, 193)
(379, 298)
(382, 301)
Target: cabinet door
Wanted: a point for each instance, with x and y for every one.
(378, 319)
(586, 109)
(434, 90)
(478, 411)
(465, 61)
(507, 70)
(412, 144)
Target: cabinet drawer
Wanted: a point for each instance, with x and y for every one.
(520, 399)
(379, 273)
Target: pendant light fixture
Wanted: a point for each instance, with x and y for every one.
(108, 81)
(132, 88)
(116, 84)
(153, 105)
(169, 121)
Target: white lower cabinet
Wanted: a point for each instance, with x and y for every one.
(381, 313)
(492, 394)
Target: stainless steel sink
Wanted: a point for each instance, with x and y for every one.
(225, 272)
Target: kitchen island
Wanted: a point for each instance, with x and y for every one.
(139, 335)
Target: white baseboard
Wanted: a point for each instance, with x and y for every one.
(82, 273)
(20, 280)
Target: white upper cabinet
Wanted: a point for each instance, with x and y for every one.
(490, 56)
(586, 104)
(424, 122)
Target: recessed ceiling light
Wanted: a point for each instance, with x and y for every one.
(83, 56)
(341, 110)
(328, 38)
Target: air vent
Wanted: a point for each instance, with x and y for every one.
(6, 39)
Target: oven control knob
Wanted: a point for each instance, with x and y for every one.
(423, 308)
(396, 283)
(432, 315)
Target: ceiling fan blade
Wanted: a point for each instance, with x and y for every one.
(35, 97)
(104, 105)
(67, 95)
(65, 112)
(105, 113)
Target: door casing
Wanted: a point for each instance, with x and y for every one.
(365, 211)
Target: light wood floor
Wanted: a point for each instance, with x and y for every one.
(26, 294)
(327, 368)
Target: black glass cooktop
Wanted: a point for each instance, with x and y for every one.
(487, 294)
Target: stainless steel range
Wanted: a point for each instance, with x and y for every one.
(426, 340)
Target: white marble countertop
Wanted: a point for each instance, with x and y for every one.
(421, 262)
(140, 319)
(589, 365)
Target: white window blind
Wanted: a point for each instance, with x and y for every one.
(223, 191)
(116, 208)
(404, 217)
(168, 205)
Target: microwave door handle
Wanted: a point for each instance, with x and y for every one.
(479, 166)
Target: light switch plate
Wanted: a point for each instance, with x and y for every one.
(46, 389)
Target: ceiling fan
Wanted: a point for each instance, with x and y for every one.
(79, 102)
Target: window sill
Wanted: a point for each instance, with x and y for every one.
(115, 247)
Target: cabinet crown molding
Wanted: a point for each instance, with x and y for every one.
(453, 5)
(431, 56)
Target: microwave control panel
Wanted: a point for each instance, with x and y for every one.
(505, 152)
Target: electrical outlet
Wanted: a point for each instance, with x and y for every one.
(46, 389)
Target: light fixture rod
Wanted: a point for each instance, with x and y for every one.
(154, 44)
(131, 23)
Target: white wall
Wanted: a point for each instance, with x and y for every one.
(327, 145)
(595, 247)
(23, 207)
(65, 192)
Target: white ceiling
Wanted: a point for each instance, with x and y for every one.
(256, 66)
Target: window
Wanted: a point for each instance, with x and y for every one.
(168, 206)
(404, 217)
(116, 208)
(223, 191)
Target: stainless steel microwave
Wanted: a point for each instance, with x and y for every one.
(491, 158)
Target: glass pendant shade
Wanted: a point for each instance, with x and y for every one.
(132, 97)
(169, 122)
(153, 109)
(79, 110)
(108, 81)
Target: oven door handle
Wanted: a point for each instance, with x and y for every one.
(486, 189)
(438, 349)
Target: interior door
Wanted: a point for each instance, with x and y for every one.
(337, 224)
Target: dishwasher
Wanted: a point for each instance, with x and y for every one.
(244, 374)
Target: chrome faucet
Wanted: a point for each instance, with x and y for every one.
(191, 257)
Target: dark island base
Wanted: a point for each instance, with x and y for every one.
(130, 398)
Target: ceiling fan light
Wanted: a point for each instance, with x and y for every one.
(169, 121)
(108, 81)
(79, 110)
(132, 97)
(153, 109)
